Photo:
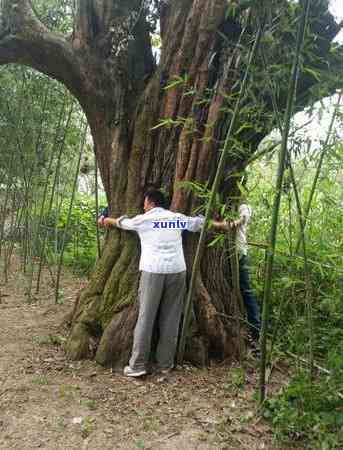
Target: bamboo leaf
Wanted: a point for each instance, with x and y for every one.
(312, 72)
(176, 82)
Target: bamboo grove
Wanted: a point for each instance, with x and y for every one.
(42, 131)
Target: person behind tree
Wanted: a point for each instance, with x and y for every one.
(248, 295)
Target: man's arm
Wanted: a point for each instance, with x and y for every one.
(109, 222)
(226, 225)
(122, 222)
(195, 224)
(220, 226)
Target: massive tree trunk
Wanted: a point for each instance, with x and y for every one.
(108, 65)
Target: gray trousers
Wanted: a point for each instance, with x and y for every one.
(163, 294)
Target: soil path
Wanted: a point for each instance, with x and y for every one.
(49, 402)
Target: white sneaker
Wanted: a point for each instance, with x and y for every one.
(134, 373)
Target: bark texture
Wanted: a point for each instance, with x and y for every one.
(107, 63)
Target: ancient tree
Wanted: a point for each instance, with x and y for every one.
(108, 64)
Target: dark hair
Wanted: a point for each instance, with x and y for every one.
(155, 196)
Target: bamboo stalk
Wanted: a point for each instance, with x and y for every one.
(47, 178)
(302, 230)
(7, 196)
(98, 246)
(33, 231)
(16, 220)
(52, 196)
(77, 172)
(308, 297)
(234, 264)
(277, 198)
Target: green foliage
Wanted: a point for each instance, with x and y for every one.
(187, 123)
(61, 424)
(69, 391)
(57, 15)
(89, 403)
(303, 411)
(30, 137)
(86, 427)
(308, 411)
(80, 251)
(49, 340)
(177, 81)
(235, 379)
(41, 380)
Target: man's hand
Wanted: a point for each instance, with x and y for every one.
(235, 223)
(108, 222)
(225, 225)
(220, 226)
(101, 221)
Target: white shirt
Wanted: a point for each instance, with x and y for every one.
(160, 233)
(245, 214)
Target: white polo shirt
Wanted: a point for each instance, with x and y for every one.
(245, 214)
(160, 234)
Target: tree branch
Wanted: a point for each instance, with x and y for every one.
(25, 40)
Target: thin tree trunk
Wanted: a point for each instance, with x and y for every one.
(234, 264)
(45, 192)
(52, 196)
(66, 228)
(14, 231)
(34, 224)
(4, 211)
(98, 245)
(308, 284)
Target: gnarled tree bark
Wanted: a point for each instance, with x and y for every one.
(108, 65)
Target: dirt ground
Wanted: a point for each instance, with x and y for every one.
(49, 402)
